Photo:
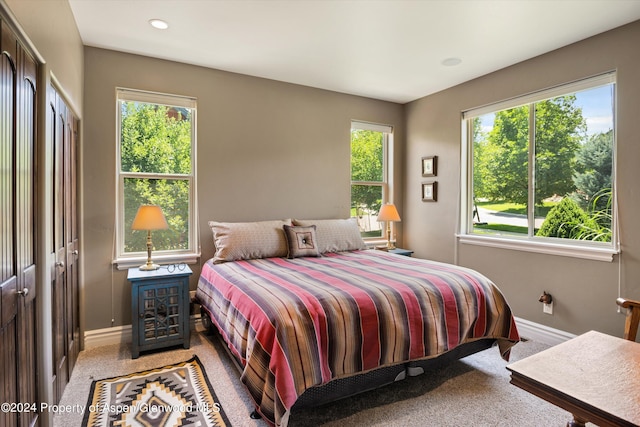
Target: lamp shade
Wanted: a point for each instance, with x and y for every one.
(149, 217)
(388, 212)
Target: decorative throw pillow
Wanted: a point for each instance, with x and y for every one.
(335, 235)
(301, 241)
(248, 240)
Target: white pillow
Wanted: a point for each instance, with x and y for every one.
(249, 240)
(335, 235)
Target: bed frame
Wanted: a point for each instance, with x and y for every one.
(346, 387)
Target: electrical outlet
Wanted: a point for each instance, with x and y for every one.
(547, 308)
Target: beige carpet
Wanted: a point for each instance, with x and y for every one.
(113, 360)
(474, 391)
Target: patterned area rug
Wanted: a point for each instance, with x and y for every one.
(174, 395)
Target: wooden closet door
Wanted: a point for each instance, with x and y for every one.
(71, 241)
(18, 378)
(64, 275)
(58, 272)
(8, 274)
(26, 119)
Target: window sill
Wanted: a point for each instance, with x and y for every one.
(527, 245)
(129, 262)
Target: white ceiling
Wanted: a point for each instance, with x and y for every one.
(385, 49)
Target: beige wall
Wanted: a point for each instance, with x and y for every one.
(584, 291)
(266, 150)
(52, 29)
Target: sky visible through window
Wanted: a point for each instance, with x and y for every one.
(596, 109)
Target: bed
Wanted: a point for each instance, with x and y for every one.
(311, 315)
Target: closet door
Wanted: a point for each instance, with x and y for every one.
(18, 379)
(58, 273)
(64, 274)
(8, 274)
(26, 232)
(72, 320)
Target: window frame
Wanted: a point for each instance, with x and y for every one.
(530, 243)
(387, 173)
(122, 259)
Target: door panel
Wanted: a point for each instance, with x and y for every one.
(8, 241)
(8, 392)
(7, 153)
(64, 274)
(26, 232)
(71, 241)
(58, 272)
(18, 345)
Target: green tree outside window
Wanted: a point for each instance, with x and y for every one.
(568, 162)
(156, 165)
(367, 178)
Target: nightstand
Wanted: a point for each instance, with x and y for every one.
(405, 252)
(159, 308)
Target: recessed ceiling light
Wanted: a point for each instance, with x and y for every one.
(159, 24)
(451, 62)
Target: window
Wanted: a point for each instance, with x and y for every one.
(541, 171)
(156, 165)
(370, 175)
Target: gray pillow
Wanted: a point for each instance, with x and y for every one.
(335, 235)
(249, 240)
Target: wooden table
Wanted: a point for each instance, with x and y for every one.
(594, 376)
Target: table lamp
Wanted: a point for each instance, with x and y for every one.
(149, 217)
(388, 213)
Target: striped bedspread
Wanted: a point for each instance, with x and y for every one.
(298, 323)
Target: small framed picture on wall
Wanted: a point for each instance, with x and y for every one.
(430, 166)
(430, 192)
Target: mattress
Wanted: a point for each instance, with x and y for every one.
(300, 323)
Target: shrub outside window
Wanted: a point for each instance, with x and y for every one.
(542, 171)
(156, 165)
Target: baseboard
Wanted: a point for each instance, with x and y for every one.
(121, 334)
(107, 336)
(541, 333)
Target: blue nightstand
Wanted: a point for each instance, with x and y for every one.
(159, 308)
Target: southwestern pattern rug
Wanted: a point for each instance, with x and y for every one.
(170, 396)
